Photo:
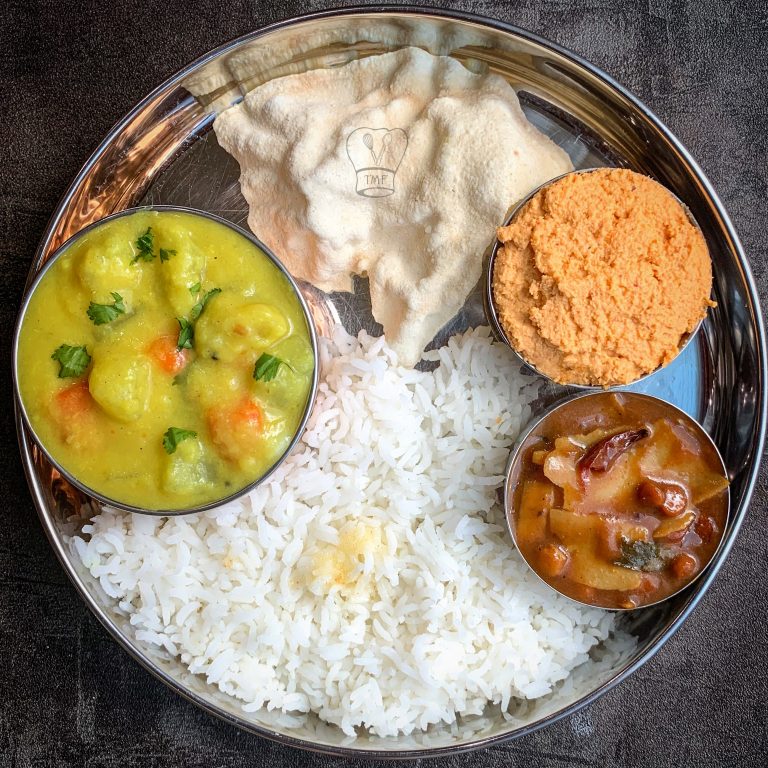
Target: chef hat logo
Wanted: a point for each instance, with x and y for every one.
(376, 154)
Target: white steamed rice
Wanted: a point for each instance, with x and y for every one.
(371, 579)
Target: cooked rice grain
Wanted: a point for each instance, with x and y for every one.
(371, 579)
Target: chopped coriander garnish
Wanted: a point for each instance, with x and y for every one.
(194, 289)
(197, 310)
(186, 327)
(175, 435)
(106, 313)
(145, 247)
(186, 332)
(266, 367)
(72, 361)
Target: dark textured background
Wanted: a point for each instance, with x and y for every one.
(68, 695)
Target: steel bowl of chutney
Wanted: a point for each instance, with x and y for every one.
(164, 360)
(599, 278)
(616, 499)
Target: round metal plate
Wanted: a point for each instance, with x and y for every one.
(164, 152)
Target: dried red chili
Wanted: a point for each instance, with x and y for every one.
(604, 453)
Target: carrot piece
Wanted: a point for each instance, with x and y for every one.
(167, 355)
(237, 431)
(74, 400)
(76, 415)
(250, 414)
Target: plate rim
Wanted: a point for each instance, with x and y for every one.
(761, 369)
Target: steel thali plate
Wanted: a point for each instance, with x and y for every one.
(165, 152)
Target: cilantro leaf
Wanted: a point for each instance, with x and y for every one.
(173, 436)
(194, 289)
(266, 367)
(145, 246)
(72, 360)
(186, 327)
(106, 313)
(197, 310)
(166, 253)
(186, 333)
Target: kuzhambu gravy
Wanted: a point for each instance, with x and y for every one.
(617, 499)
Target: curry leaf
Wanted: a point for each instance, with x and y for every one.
(641, 555)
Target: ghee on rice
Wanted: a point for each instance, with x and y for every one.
(372, 580)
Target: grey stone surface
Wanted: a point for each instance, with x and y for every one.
(68, 695)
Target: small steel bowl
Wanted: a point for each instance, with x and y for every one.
(533, 432)
(20, 320)
(495, 323)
